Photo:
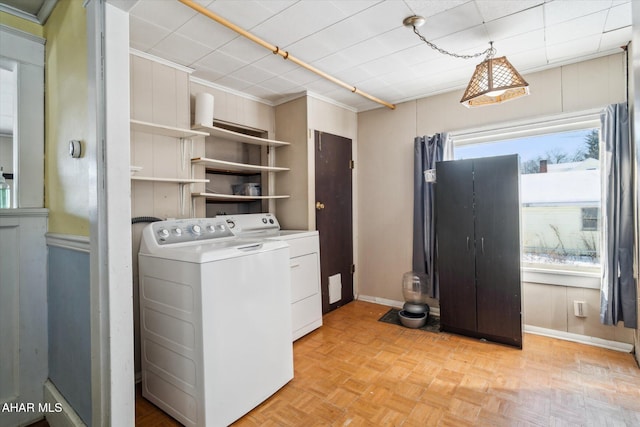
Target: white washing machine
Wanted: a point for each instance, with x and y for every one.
(215, 320)
(304, 246)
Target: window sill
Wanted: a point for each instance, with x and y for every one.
(574, 279)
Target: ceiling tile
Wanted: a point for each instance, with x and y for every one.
(326, 42)
(298, 21)
(247, 13)
(557, 11)
(321, 86)
(618, 17)
(528, 20)
(170, 15)
(576, 28)
(233, 83)
(382, 46)
(144, 35)
(530, 60)
(244, 49)
(432, 7)
(253, 74)
(179, 49)
(465, 42)
(352, 7)
(336, 62)
(283, 85)
(356, 74)
(581, 47)
(496, 9)
(374, 21)
(275, 64)
(300, 76)
(207, 74)
(220, 62)
(263, 93)
(451, 21)
(208, 32)
(520, 43)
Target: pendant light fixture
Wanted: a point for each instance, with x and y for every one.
(494, 81)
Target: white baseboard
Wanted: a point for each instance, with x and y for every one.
(62, 414)
(552, 333)
(393, 303)
(582, 339)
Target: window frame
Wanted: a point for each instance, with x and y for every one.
(585, 278)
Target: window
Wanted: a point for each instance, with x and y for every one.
(559, 190)
(590, 219)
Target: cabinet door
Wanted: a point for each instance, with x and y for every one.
(497, 211)
(455, 258)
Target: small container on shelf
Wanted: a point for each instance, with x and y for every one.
(246, 189)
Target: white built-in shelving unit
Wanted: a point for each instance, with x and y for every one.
(225, 167)
(184, 135)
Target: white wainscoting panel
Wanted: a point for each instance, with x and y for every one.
(23, 313)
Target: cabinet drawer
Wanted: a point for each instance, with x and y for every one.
(303, 246)
(306, 315)
(305, 279)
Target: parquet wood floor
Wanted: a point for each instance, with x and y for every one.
(356, 371)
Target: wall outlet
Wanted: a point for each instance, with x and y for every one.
(580, 309)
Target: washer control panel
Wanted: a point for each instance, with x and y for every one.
(251, 223)
(189, 230)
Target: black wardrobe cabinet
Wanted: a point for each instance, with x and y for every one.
(478, 256)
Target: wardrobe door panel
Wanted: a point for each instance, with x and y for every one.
(456, 260)
(497, 228)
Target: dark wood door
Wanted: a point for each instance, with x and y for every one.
(497, 213)
(456, 253)
(334, 216)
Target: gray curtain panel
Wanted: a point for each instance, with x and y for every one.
(618, 294)
(427, 151)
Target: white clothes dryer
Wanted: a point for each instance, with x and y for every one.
(215, 320)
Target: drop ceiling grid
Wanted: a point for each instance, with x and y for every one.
(365, 44)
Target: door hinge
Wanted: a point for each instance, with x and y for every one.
(352, 164)
(353, 268)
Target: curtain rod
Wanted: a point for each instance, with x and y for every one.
(276, 50)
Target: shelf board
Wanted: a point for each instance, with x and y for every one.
(176, 180)
(238, 137)
(225, 166)
(234, 198)
(156, 129)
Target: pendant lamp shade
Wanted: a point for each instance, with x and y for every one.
(494, 81)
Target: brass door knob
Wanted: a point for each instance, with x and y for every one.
(319, 206)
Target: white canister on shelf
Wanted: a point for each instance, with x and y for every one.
(204, 109)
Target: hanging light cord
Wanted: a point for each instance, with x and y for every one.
(489, 52)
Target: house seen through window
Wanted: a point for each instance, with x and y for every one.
(559, 193)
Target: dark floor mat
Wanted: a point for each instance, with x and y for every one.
(391, 316)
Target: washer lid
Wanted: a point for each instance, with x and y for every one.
(203, 252)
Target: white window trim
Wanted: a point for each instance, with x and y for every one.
(572, 279)
(525, 128)
(535, 127)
